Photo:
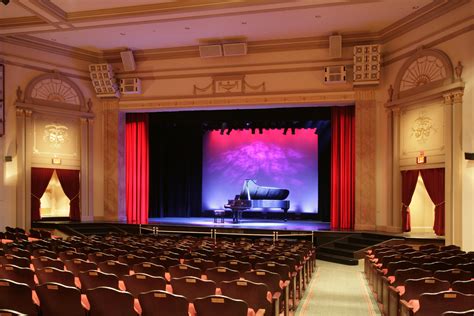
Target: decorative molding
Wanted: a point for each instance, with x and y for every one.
(227, 85)
(54, 90)
(207, 101)
(425, 70)
(399, 28)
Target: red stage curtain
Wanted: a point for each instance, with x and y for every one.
(342, 168)
(40, 178)
(137, 173)
(434, 183)
(69, 180)
(409, 180)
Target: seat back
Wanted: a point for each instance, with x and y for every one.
(141, 282)
(166, 303)
(437, 303)
(43, 262)
(106, 301)
(401, 275)
(165, 261)
(415, 287)
(465, 287)
(12, 259)
(192, 287)
(93, 278)
(220, 305)
(182, 270)
(98, 257)
(219, 274)
(254, 294)
(16, 296)
(150, 269)
(452, 275)
(130, 259)
(55, 275)
(71, 254)
(114, 267)
(271, 279)
(437, 265)
(200, 263)
(282, 269)
(17, 274)
(238, 265)
(57, 300)
(78, 265)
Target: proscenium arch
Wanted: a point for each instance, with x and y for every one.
(437, 71)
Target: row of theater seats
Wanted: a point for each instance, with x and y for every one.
(424, 280)
(263, 275)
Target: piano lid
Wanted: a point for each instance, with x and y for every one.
(252, 191)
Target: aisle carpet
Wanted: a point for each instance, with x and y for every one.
(338, 290)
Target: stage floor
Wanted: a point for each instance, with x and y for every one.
(254, 223)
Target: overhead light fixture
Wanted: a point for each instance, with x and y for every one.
(253, 130)
(285, 130)
(228, 131)
(293, 131)
(260, 130)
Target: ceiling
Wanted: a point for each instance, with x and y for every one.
(98, 26)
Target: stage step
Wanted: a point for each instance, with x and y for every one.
(364, 240)
(337, 259)
(336, 251)
(350, 246)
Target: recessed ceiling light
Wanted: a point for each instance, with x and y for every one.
(416, 7)
(244, 22)
(123, 33)
(187, 28)
(53, 39)
(317, 16)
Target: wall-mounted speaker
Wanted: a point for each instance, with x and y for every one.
(130, 86)
(335, 74)
(335, 46)
(103, 80)
(128, 60)
(469, 156)
(207, 51)
(235, 49)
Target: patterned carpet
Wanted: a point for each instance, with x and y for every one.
(338, 290)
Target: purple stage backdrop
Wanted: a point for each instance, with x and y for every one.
(273, 159)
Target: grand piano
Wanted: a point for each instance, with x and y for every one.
(254, 196)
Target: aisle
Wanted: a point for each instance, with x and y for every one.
(338, 290)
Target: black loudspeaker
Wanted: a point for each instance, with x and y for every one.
(469, 156)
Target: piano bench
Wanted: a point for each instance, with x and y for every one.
(219, 214)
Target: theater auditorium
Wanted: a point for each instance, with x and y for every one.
(291, 157)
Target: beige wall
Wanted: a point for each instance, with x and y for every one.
(290, 77)
(22, 65)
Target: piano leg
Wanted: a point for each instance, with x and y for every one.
(285, 214)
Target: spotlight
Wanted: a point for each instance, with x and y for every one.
(285, 131)
(293, 131)
(253, 130)
(260, 130)
(5, 2)
(228, 131)
(222, 131)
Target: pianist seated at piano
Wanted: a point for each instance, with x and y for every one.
(254, 196)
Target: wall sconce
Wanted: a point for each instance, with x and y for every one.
(421, 158)
(56, 161)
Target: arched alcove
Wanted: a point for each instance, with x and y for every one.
(54, 128)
